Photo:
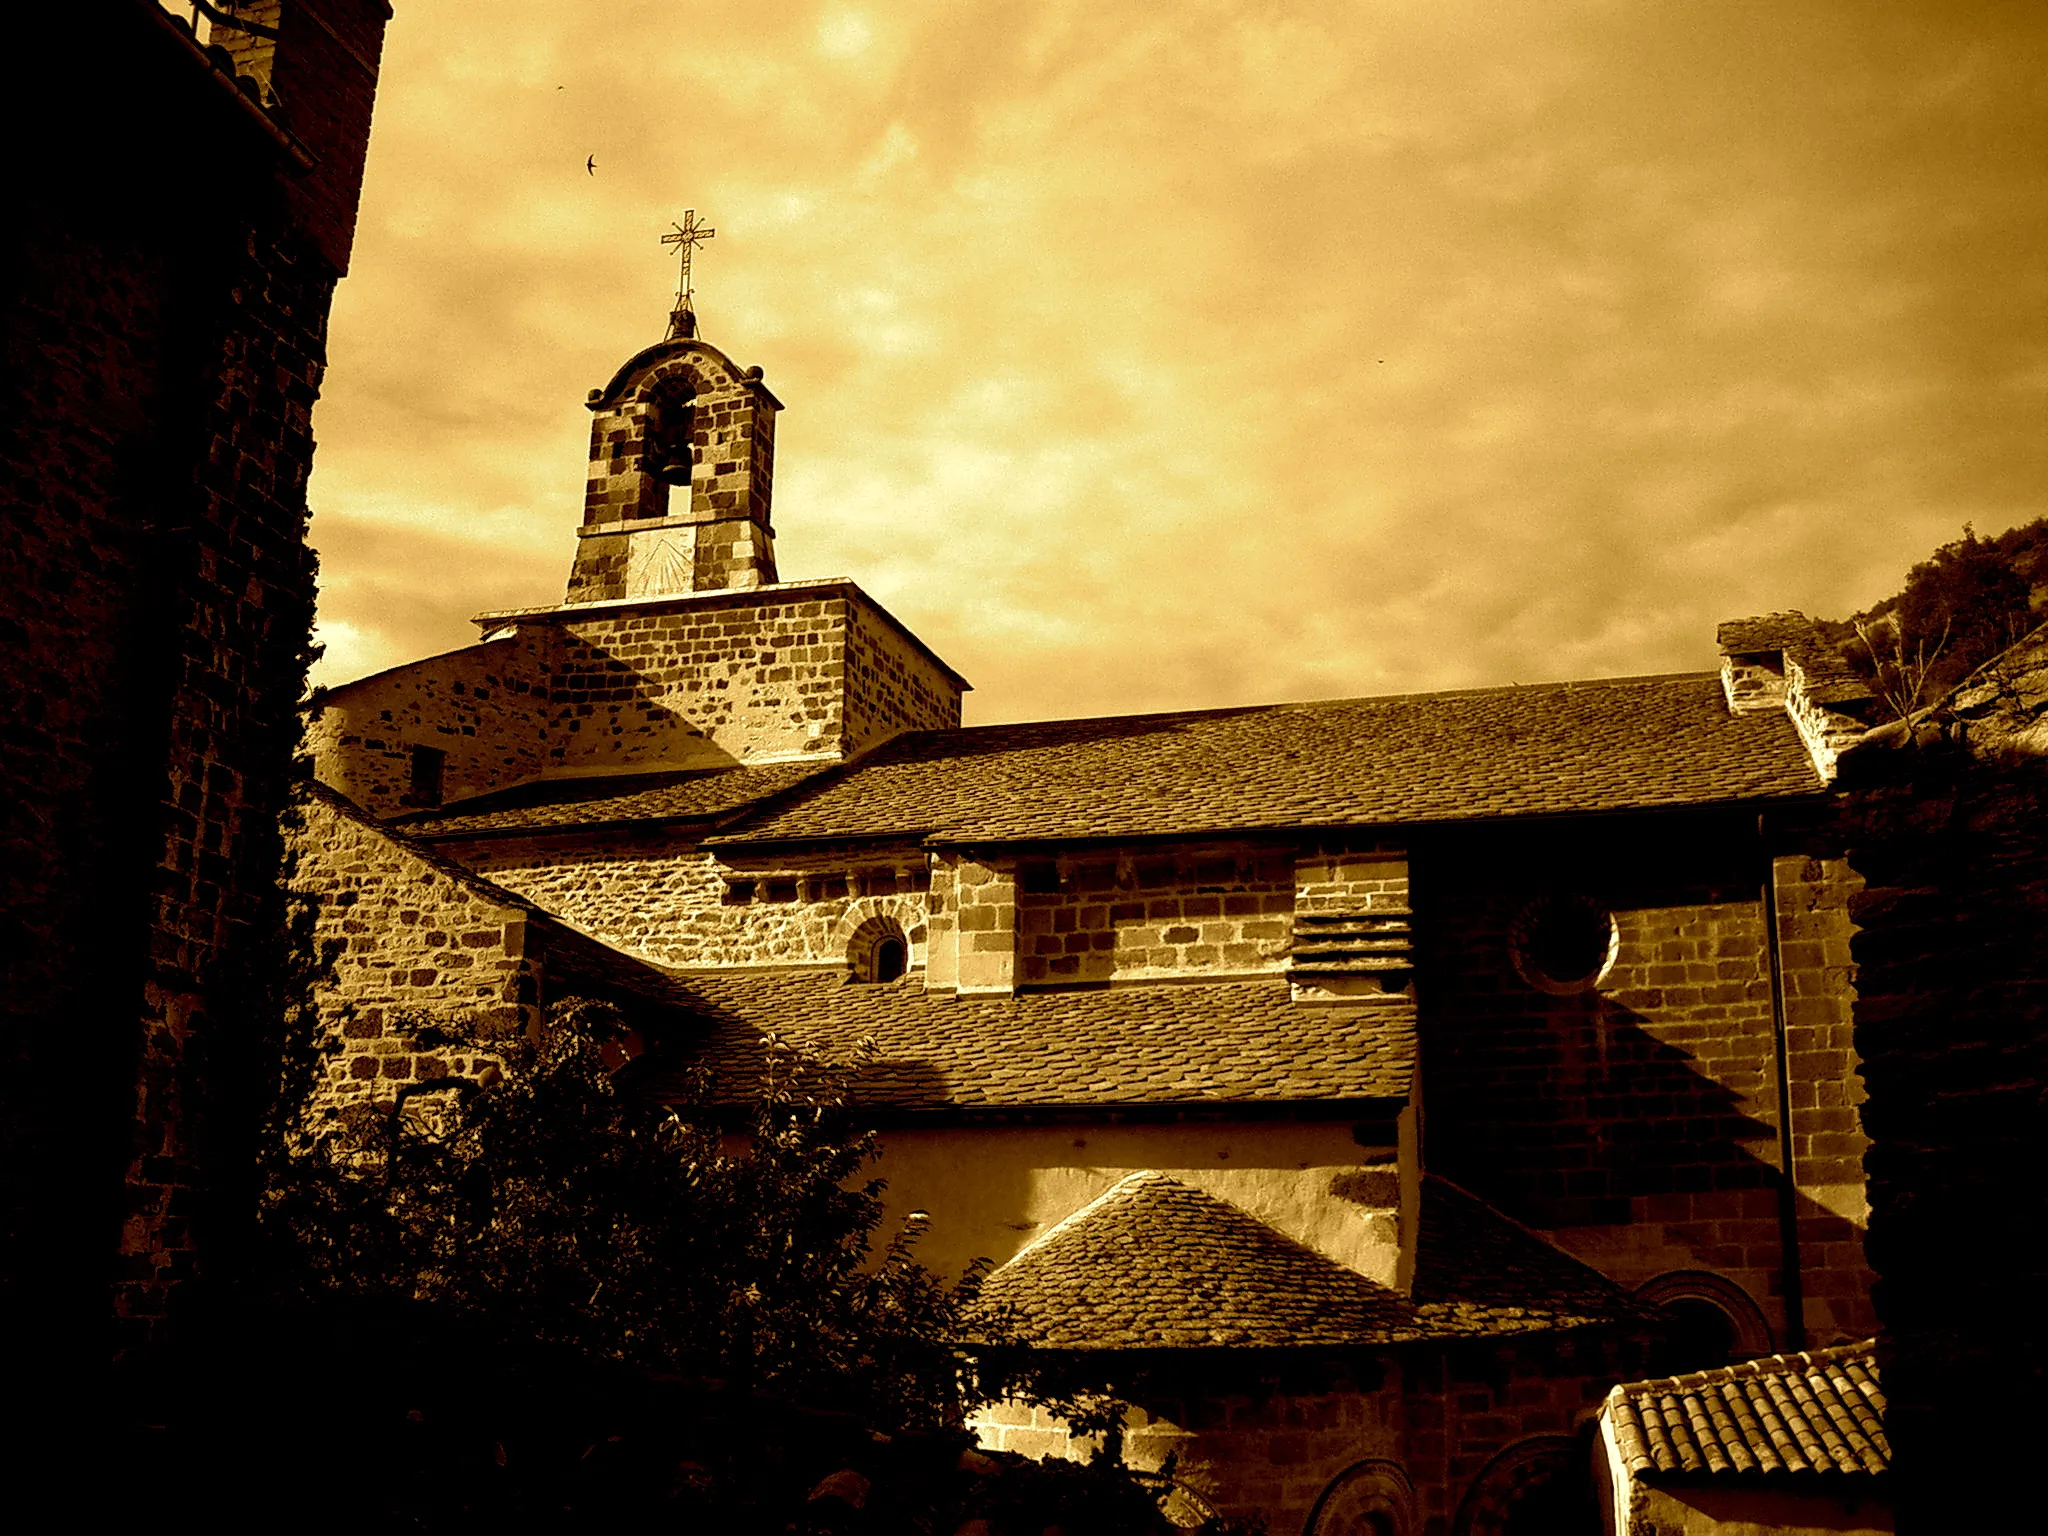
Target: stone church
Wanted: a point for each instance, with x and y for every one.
(1366, 1087)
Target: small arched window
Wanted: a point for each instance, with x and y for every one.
(1709, 1321)
(890, 960)
(879, 952)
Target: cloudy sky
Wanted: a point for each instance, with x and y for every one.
(1167, 354)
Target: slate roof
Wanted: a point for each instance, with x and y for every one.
(685, 795)
(1821, 1411)
(1548, 749)
(1476, 1271)
(1155, 1264)
(1219, 1043)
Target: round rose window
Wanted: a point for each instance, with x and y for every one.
(1564, 944)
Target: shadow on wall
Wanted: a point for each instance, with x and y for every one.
(1637, 1116)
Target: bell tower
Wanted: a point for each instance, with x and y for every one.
(682, 464)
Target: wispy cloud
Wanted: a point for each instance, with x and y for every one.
(1147, 357)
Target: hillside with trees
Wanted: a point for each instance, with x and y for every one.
(1961, 606)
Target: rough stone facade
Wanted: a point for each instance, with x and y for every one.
(1626, 961)
(678, 425)
(1638, 1119)
(1435, 1439)
(1953, 981)
(685, 906)
(163, 344)
(809, 670)
(480, 712)
(407, 940)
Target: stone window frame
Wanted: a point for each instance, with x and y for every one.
(1368, 1498)
(1749, 1329)
(1525, 963)
(869, 948)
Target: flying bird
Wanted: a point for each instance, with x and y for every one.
(590, 165)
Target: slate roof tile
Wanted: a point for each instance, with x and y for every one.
(1156, 1264)
(1554, 748)
(1476, 1270)
(598, 800)
(1820, 1411)
(1224, 1042)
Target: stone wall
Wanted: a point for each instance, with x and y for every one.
(163, 340)
(890, 683)
(1220, 909)
(408, 941)
(741, 677)
(1441, 1438)
(1824, 1086)
(1953, 983)
(1637, 1118)
(483, 708)
(680, 905)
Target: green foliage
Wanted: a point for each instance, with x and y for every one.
(556, 1209)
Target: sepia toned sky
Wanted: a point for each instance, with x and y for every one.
(1150, 356)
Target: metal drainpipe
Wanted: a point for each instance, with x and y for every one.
(1788, 1181)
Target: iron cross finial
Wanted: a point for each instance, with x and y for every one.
(686, 237)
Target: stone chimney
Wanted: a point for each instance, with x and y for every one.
(1781, 661)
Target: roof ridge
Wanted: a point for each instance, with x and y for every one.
(1761, 1367)
(1554, 685)
(1075, 1217)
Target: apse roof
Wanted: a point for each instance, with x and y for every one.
(1549, 749)
(1156, 1264)
(1820, 1411)
(1168, 1044)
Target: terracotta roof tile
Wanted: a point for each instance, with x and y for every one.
(1156, 1264)
(1553, 748)
(1821, 1411)
(1225, 1042)
(693, 795)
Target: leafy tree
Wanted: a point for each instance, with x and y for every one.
(554, 1207)
(1960, 607)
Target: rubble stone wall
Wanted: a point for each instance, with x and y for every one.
(685, 906)
(163, 334)
(890, 684)
(1953, 983)
(409, 941)
(484, 707)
